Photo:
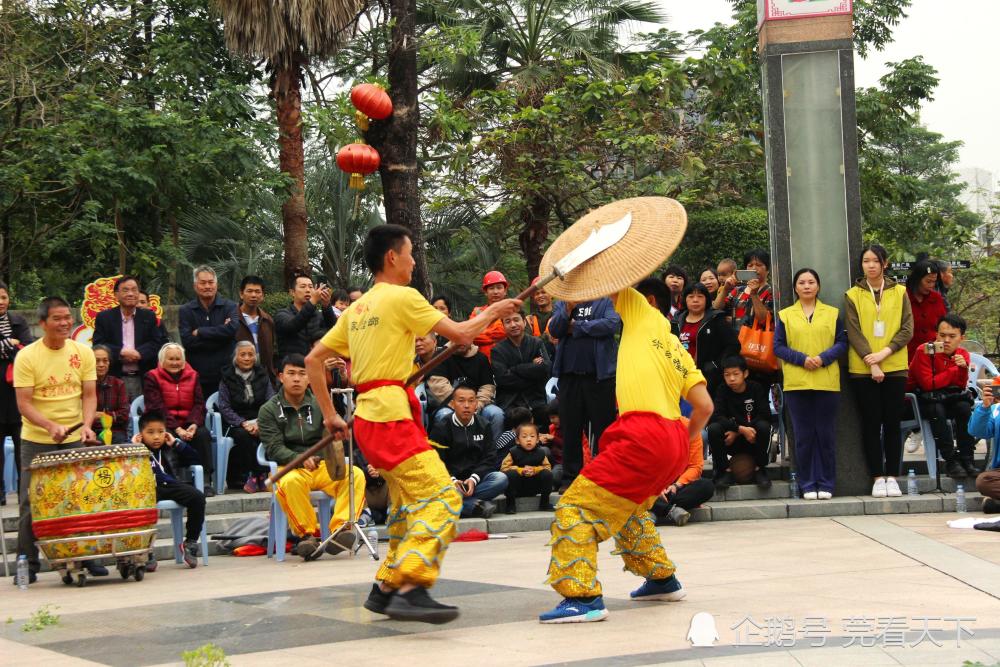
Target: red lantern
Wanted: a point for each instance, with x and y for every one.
(358, 160)
(371, 102)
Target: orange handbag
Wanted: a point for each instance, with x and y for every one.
(757, 346)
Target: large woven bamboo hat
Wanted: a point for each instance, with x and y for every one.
(658, 225)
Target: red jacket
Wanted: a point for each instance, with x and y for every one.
(179, 398)
(926, 314)
(930, 372)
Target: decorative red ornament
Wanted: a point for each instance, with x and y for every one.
(358, 160)
(371, 102)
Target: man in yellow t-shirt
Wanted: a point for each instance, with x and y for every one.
(642, 452)
(55, 380)
(376, 333)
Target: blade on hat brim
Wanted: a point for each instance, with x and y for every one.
(658, 225)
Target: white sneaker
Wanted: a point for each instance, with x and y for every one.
(913, 442)
(824, 495)
(892, 488)
(879, 489)
(809, 495)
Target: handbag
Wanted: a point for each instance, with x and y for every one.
(9, 375)
(757, 346)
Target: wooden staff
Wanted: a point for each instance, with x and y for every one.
(299, 460)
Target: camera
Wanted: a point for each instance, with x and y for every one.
(936, 347)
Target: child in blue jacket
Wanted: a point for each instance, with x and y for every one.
(985, 423)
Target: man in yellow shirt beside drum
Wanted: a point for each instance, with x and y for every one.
(55, 380)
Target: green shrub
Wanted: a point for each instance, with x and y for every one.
(715, 234)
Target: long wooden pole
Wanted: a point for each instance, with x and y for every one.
(435, 361)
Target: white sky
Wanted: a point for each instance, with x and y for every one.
(959, 38)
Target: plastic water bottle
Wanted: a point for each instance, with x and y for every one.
(22, 573)
(793, 486)
(373, 538)
(911, 484)
(960, 499)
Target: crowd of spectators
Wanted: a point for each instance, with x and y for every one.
(519, 412)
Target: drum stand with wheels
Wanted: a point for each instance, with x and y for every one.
(351, 525)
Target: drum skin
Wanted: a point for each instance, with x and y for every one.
(90, 492)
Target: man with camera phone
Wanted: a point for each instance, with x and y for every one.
(939, 372)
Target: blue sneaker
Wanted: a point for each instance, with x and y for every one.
(659, 589)
(574, 610)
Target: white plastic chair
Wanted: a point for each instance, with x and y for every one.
(918, 423)
(552, 389)
(135, 411)
(277, 523)
(221, 443)
(10, 472)
(420, 391)
(177, 516)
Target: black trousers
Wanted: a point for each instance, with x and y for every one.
(881, 405)
(583, 400)
(721, 453)
(939, 413)
(519, 486)
(242, 457)
(189, 498)
(687, 498)
(202, 443)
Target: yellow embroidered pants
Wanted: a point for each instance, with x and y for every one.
(293, 496)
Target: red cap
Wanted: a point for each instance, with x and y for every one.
(494, 278)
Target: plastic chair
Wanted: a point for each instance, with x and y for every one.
(420, 391)
(552, 389)
(10, 471)
(918, 423)
(277, 523)
(776, 401)
(221, 443)
(135, 411)
(177, 516)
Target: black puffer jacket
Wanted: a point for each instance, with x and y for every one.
(716, 341)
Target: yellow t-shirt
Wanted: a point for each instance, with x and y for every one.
(654, 371)
(57, 377)
(377, 334)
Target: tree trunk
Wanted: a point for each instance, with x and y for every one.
(120, 236)
(534, 232)
(287, 93)
(396, 137)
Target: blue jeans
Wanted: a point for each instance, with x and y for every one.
(488, 488)
(491, 414)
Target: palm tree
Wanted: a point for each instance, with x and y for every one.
(525, 45)
(287, 34)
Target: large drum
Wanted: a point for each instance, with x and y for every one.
(93, 501)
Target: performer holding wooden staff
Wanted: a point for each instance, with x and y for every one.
(646, 448)
(377, 334)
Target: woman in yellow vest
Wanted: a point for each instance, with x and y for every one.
(809, 339)
(879, 325)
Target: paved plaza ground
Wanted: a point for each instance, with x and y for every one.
(890, 587)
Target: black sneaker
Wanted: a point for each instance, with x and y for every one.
(190, 550)
(151, 563)
(991, 506)
(344, 541)
(484, 509)
(377, 600)
(970, 466)
(510, 507)
(209, 491)
(724, 481)
(544, 505)
(307, 546)
(32, 577)
(418, 605)
(954, 468)
(761, 479)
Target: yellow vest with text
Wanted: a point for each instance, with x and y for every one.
(810, 338)
(891, 314)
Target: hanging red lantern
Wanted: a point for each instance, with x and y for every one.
(358, 160)
(371, 102)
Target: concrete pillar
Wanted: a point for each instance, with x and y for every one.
(813, 192)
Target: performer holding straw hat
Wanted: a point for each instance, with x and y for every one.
(646, 448)
(377, 334)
